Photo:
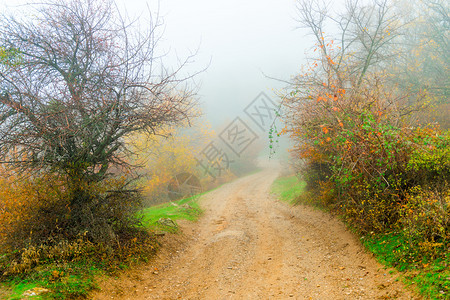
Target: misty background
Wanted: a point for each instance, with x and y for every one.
(237, 42)
(237, 48)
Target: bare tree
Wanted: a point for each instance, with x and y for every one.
(363, 36)
(344, 78)
(76, 78)
(427, 45)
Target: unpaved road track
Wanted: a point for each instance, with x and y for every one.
(250, 246)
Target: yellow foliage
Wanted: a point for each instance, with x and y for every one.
(15, 198)
(169, 152)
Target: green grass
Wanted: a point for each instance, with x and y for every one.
(69, 280)
(186, 209)
(288, 188)
(430, 275)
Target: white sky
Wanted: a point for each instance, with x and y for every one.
(241, 38)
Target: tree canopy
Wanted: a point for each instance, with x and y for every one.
(76, 77)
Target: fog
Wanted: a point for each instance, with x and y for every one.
(237, 47)
(239, 43)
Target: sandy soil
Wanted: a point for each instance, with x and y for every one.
(248, 245)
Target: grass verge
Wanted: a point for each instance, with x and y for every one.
(52, 281)
(187, 209)
(288, 188)
(431, 275)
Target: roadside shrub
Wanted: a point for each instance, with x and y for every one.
(371, 214)
(16, 201)
(382, 173)
(360, 155)
(429, 162)
(42, 222)
(134, 245)
(387, 174)
(425, 220)
(44, 207)
(315, 174)
(383, 176)
(63, 251)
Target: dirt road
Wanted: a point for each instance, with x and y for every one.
(250, 246)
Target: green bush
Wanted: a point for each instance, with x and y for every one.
(429, 162)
